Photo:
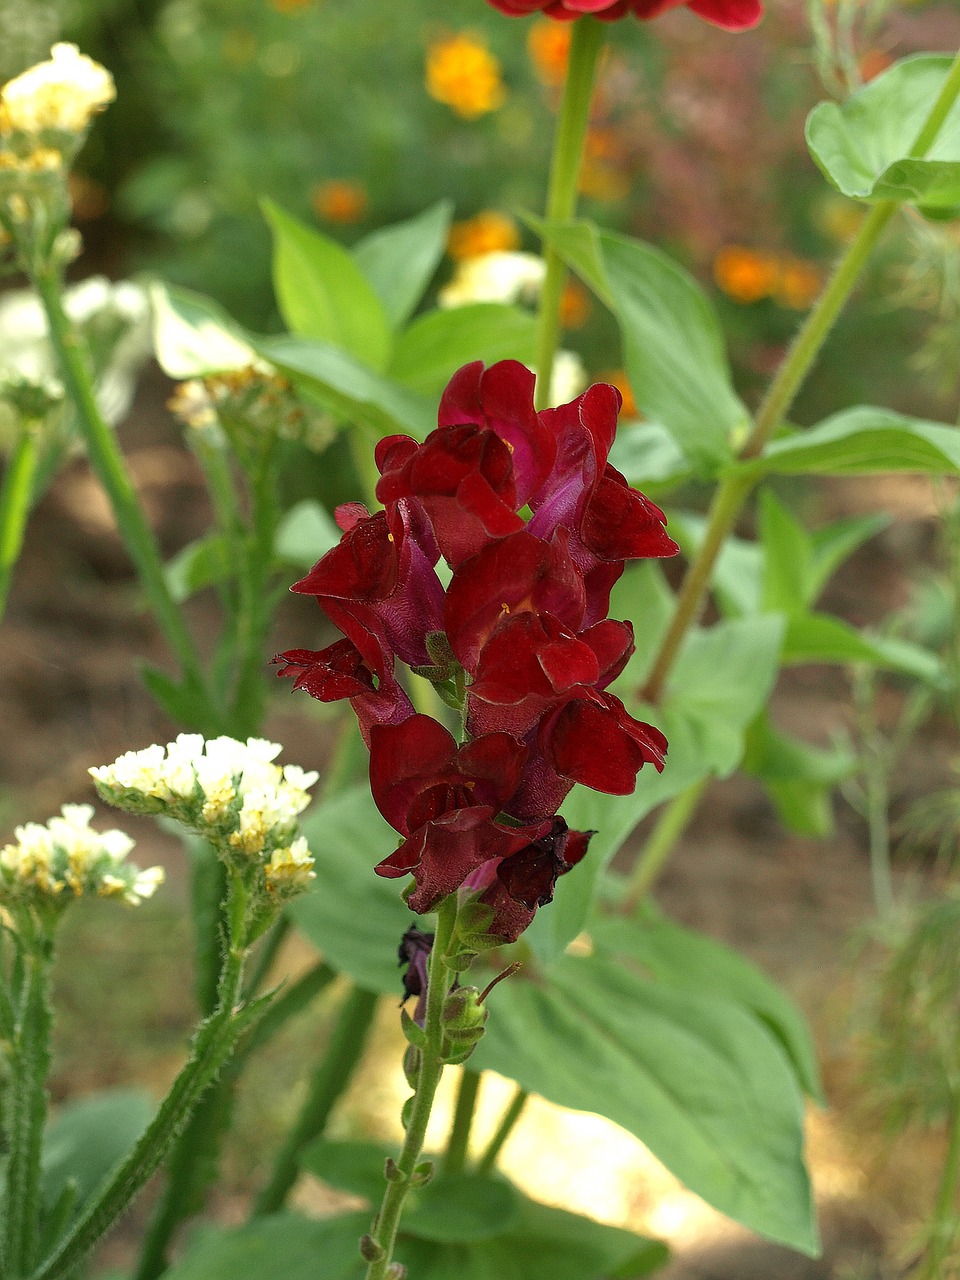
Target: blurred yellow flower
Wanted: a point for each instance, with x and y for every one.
(488, 232)
(745, 275)
(798, 285)
(339, 200)
(600, 181)
(463, 74)
(548, 45)
(64, 94)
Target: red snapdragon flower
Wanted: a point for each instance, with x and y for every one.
(732, 15)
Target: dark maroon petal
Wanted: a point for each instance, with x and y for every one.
(598, 743)
(364, 564)
(612, 645)
(621, 524)
(494, 764)
(339, 671)
(349, 514)
(529, 876)
(405, 760)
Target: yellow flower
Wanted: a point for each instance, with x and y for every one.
(799, 284)
(63, 94)
(488, 232)
(463, 74)
(338, 200)
(548, 45)
(745, 275)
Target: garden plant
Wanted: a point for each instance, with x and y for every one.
(525, 687)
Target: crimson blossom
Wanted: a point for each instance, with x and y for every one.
(519, 642)
(732, 15)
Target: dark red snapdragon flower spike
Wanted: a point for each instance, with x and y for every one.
(732, 15)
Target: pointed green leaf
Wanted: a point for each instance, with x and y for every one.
(399, 261)
(285, 1245)
(323, 294)
(800, 777)
(88, 1137)
(787, 558)
(834, 543)
(197, 565)
(864, 441)
(439, 342)
(819, 637)
(863, 146)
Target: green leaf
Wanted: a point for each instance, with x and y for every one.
(579, 244)
(87, 1138)
(672, 341)
(183, 702)
(199, 564)
(193, 335)
(353, 916)
(399, 261)
(306, 532)
(348, 388)
(787, 559)
(863, 146)
(649, 457)
(698, 1079)
(799, 777)
(689, 961)
(738, 572)
(834, 543)
(323, 294)
(818, 637)
(461, 1208)
(285, 1245)
(438, 343)
(864, 441)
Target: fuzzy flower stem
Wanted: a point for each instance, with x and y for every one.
(30, 1059)
(782, 392)
(15, 494)
(107, 461)
(504, 1129)
(431, 1069)
(212, 1045)
(458, 1143)
(585, 45)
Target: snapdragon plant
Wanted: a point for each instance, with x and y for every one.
(526, 685)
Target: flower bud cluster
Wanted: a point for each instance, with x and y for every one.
(48, 865)
(60, 96)
(230, 793)
(536, 527)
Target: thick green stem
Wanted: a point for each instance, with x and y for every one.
(387, 1221)
(15, 494)
(458, 1143)
(586, 41)
(108, 463)
(943, 1227)
(30, 1059)
(331, 1078)
(504, 1129)
(669, 828)
(782, 393)
(253, 622)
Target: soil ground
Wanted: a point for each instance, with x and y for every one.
(70, 697)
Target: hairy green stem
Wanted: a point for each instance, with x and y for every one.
(782, 392)
(15, 495)
(387, 1221)
(108, 463)
(585, 44)
(30, 1059)
(504, 1129)
(332, 1076)
(943, 1226)
(458, 1144)
(669, 827)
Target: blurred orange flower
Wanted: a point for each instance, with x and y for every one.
(339, 200)
(488, 232)
(799, 284)
(463, 74)
(574, 305)
(548, 45)
(873, 62)
(618, 378)
(745, 275)
(289, 6)
(602, 181)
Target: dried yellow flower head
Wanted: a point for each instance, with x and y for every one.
(63, 94)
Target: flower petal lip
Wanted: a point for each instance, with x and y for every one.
(595, 741)
(339, 671)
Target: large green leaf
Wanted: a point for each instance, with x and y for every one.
(438, 343)
(799, 777)
(690, 961)
(863, 146)
(864, 441)
(87, 1138)
(819, 637)
(787, 558)
(672, 341)
(699, 1079)
(306, 533)
(649, 457)
(323, 294)
(193, 335)
(282, 1247)
(348, 388)
(353, 916)
(399, 261)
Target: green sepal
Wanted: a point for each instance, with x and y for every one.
(414, 1033)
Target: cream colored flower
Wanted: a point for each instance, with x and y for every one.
(63, 94)
(494, 277)
(290, 870)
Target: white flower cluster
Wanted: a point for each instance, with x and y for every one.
(67, 857)
(500, 276)
(228, 791)
(62, 94)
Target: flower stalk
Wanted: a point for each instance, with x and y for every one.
(15, 495)
(585, 44)
(458, 1144)
(504, 1129)
(383, 1236)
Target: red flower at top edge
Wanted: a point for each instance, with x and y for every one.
(731, 15)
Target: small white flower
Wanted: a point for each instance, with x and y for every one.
(63, 93)
(290, 870)
(494, 277)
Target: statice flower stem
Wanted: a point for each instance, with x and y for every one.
(15, 494)
(30, 1061)
(386, 1224)
(782, 393)
(332, 1076)
(585, 44)
(504, 1129)
(458, 1143)
(107, 461)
